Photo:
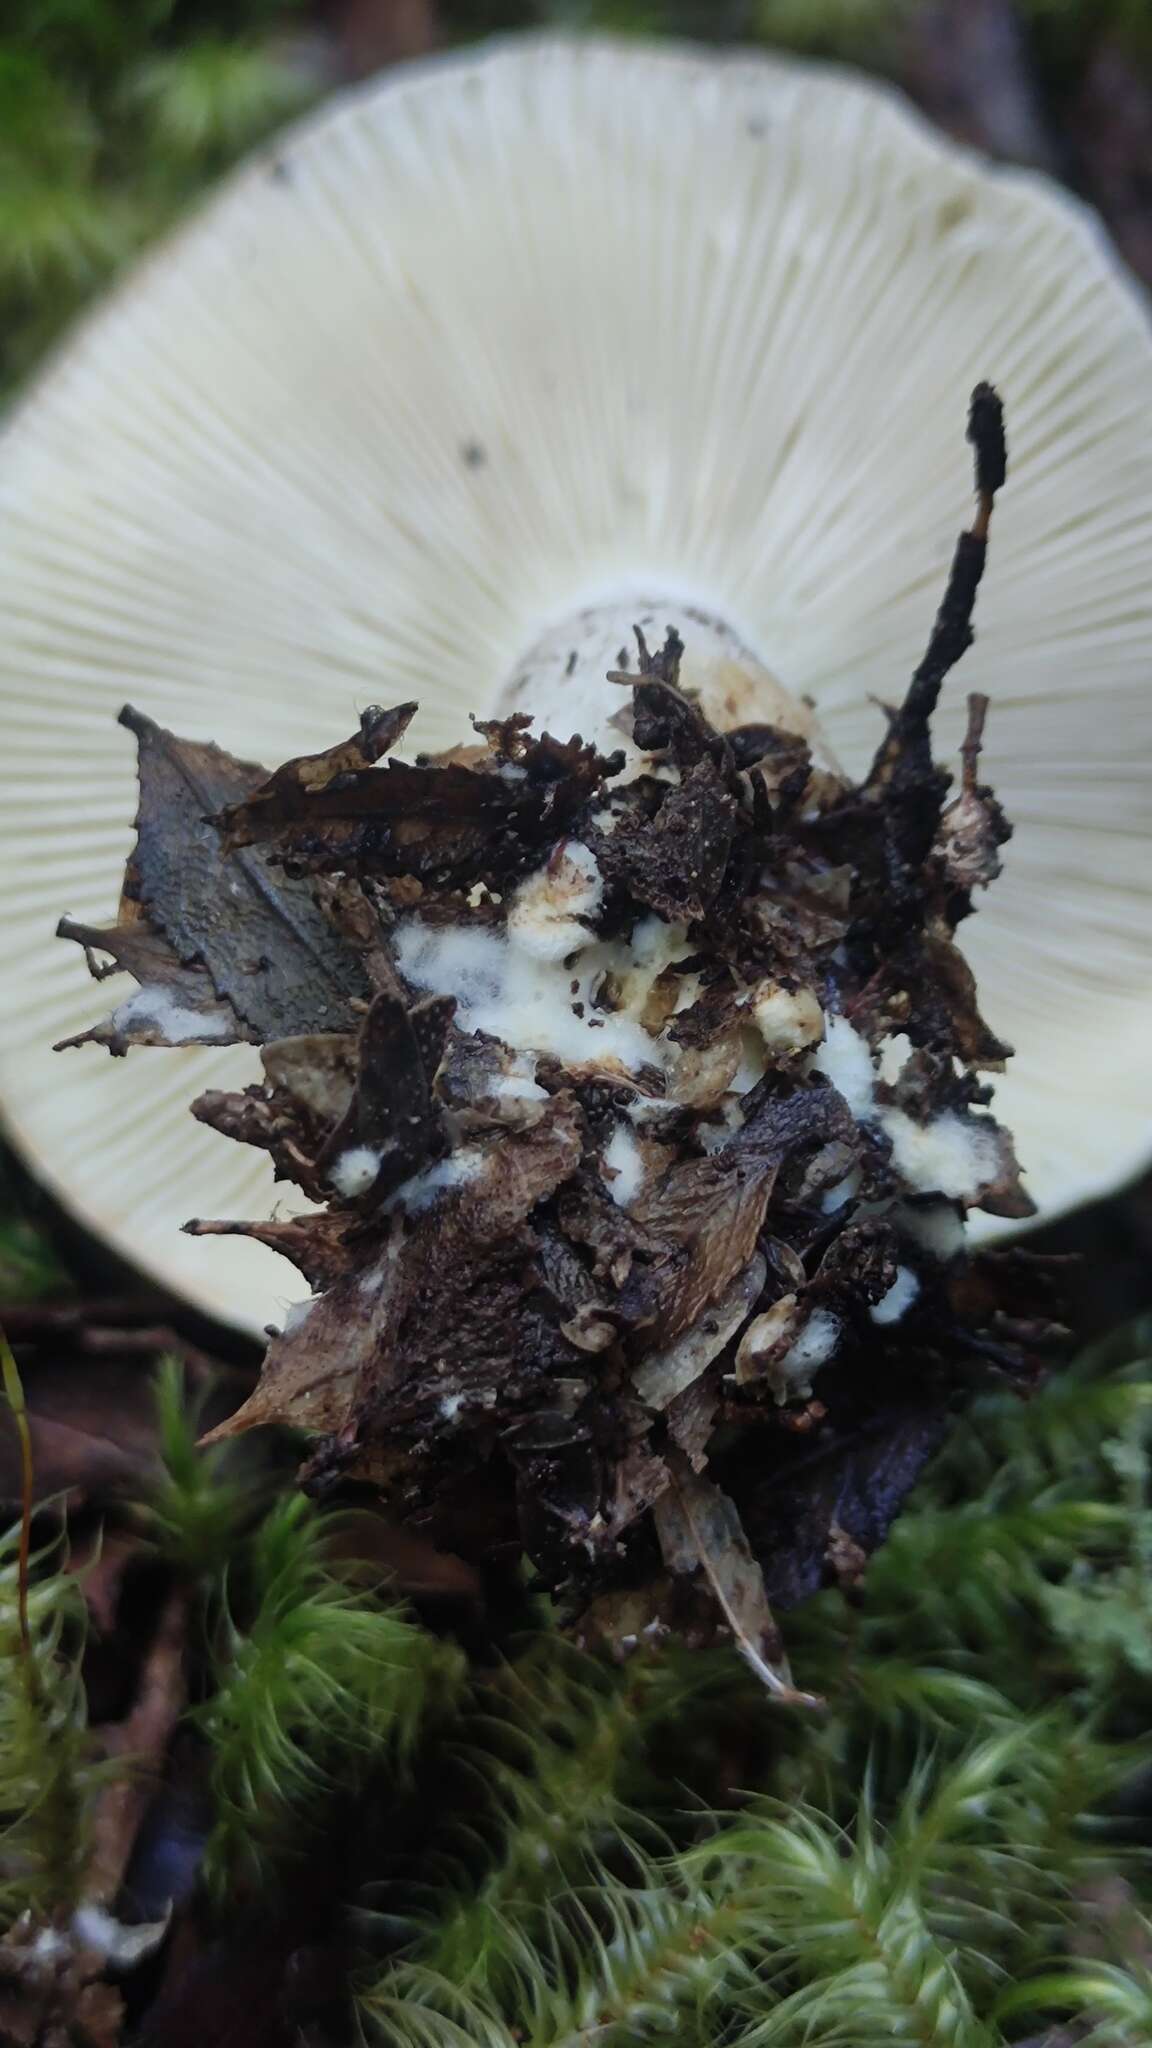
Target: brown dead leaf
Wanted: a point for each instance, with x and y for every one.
(393, 1115)
(700, 1530)
(281, 799)
(277, 1123)
(428, 820)
(639, 1479)
(319, 1071)
(712, 1210)
(675, 864)
(692, 1418)
(316, 1244)
(93, 1430)
(311, 1368)
(461, 1323)
(260, 935)
(665, 1376)
(174, 1004)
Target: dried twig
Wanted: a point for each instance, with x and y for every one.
(141, 1740)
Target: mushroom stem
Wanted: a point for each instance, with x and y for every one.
(563, 679)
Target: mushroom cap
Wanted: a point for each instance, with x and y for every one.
(503, 334)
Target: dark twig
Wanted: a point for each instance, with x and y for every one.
(143, 1741)
(952, 634)
(905, 757)
(29, 1321)
(973, 741)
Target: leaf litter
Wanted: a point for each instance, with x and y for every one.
(642, 1115)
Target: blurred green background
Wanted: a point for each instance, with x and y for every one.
(114, 114)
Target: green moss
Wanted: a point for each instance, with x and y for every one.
(585, 1861)
(900, 1864)
(316, 1682)
(199, 1504)
(47, 1778)
(112, 117)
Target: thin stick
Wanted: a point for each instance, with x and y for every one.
(142, 1741)
(905, 754)
(973, 740)
(952, 634)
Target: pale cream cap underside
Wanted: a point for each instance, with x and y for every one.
(492, 338)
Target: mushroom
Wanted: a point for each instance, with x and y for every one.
(491, 362)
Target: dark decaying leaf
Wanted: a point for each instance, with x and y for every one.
(318, 1071)
(311, 1368)
(692, 1418)
(712, 1215)
(945, 1010)
(853, 1475)
(317, 1245)
(86, 1369)
(174, 1004)
(393, 1115)
(700, 1530)
(461, 1270)
(265, 944)
(675, 863)
(281, 799)
(432, 821)
(668, 1374)
(641, 1478)
(273, 1121)
(92, 1434)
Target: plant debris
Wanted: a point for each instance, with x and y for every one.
(643, 1093)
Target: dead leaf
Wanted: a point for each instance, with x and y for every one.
(855, 1469)
(281, 799)
(639, 1479)
(318, 1070)
(427, 820)
(310, 1370)
(392, 1118)
(93, 1431)
(692, 1419)
(266, 945)
(675, 863)
(700, 1530)
(664, 1375)
(317, 1245)
(712, 1210)
(276, 1122)
(174, 1004)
